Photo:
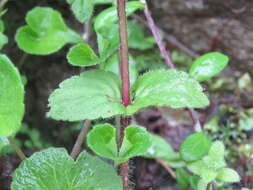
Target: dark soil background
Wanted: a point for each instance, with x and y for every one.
(200, 25)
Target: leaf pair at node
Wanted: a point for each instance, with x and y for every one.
(97, 94)
(103, 141)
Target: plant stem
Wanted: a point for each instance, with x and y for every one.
(165, 53)
(125, 93)
(123, 168)
(14, 145)
(170, 38)
(123, 52)
(86, 34)
(157, 36)
(195, 119)
(80, 139)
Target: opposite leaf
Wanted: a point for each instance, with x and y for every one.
(102, 140)
(136, 142)
(82, 55)
(195, 147)
(11, 98)
(54, 169)
(45, 32)
(92, 95)
(166, 88)
(208, 65)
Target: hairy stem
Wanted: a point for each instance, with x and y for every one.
(125, 93)
(14, 145)
(165, 53)
(80, 139)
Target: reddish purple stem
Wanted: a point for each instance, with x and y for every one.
(157, 37)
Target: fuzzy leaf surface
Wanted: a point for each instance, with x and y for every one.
(45, 32)
(11, 97)
(82, 55)
(54, 169)
(208, 65)
(91, 95)
(166, 88)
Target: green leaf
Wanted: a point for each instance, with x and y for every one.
(194, 180)
(54, 169)
(195, 147)
(203, 170)
(109, 16)
(160, 149)
(182, 178)
(11, 98)
(228, 175)
(208, 174)
(196, 167)
(3, 40)
(136, 37)
(113, 65)
(208, 65)
(166, 88)
(102, 140)
(92, 95)
(136, 142)
(215, 158)
(45, 32)
(97, 94)
(82, 9)
(82, 55)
